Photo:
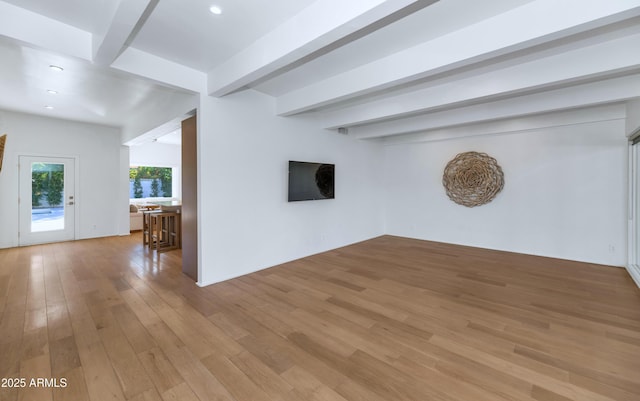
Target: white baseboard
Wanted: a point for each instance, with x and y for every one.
(634, 271)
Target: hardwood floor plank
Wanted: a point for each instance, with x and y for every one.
(385, 319)
(132, 328)
(624, 338)
(393, 387)
(601, 388)
(261, 375)
(160, 370)
(181, 392)
(234, 380)
(623, 379)
(148, 395)
(231, 329)
(10, 356)
(140, 308)
(485, 377)
(308, 387)
(34, 343)
(12, 324)
(100, 379)
(64, 356)
(131, 375)
(58, 322)
(204, 384)
(557, 385)
(32, 370)
(269, 352)
(542, 394)
(76, 388)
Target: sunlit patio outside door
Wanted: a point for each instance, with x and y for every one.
(47, 197)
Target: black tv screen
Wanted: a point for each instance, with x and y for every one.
(310, 181)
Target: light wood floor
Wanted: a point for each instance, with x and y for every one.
(387, 319)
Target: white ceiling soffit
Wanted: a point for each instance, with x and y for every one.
(533, 24)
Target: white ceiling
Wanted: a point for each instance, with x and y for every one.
(82, 14)
(187, 33)
(85, 91)
(378, 67)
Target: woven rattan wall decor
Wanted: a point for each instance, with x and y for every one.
(472, 179)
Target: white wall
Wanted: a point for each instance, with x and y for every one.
(98, 151)
(564, 193)
(246, 223)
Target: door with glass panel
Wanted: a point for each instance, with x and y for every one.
(47, 199)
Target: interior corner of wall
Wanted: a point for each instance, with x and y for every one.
(634, 272)
(633, 117)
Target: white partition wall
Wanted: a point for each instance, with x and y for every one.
(245, 221)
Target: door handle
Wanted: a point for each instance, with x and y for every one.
(70, 203)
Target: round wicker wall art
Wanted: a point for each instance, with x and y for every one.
(472, 179)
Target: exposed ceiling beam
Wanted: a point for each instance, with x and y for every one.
(596, 93)
(515, 123)
(161, 70)
(545, 73)
(124, 19)
(503, 34)
(121, 23)
(39, 31)
(324, 30)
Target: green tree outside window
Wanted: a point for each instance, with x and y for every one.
(160, 178)
(155, 187)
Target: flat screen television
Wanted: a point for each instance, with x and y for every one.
(311, 181)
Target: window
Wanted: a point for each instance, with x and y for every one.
(150, 182)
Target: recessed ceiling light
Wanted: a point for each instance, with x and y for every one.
(48, 107)
(56, 68)
(215, 10)
(52, 92)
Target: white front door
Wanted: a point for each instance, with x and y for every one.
(47, 199)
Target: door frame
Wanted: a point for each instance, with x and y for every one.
(76, 183)
(633, 210)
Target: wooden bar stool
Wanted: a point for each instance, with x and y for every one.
(148, 227)
(166, 231)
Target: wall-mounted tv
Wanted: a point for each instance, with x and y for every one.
(310, 181)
